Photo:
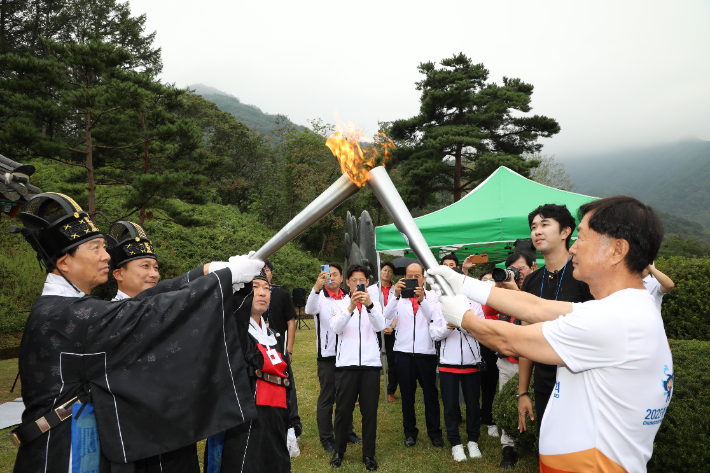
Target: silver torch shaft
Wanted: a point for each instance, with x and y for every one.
(336, 194)
(387, 194)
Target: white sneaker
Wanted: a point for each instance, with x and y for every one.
(493, 431)
(458, 453)
(292, 443)
(473, 450)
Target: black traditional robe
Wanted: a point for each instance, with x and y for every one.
(165, 370)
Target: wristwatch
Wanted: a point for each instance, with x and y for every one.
(369, 307)
(526, 393)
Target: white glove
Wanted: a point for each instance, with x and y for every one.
(472, 288)
(453, 308)
(243, 269)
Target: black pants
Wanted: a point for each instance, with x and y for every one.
(391, 364)
(294, 420)
(411, 369)
(541, 400)
(489, 385)
(326, 399)
(471, 383)
(350, 384)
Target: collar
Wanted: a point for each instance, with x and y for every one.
(262, 334)
(120, 295)
(55, 285)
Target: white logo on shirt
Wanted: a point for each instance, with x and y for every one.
(557, 389)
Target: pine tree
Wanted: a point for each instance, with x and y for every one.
(466, 128)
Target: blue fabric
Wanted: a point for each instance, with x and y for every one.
(85, 446)
(215, 445)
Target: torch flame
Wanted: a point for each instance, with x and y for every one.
(354, 161)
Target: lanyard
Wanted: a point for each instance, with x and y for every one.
(544, 273)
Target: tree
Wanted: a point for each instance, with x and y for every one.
(680, 245)
(550, 172)
(466, 128)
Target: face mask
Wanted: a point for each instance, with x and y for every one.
(492, 283)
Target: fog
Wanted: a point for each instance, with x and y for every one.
(614, 74)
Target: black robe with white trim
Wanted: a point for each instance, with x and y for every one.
(165, 369)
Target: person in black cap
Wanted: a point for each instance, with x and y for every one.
(258, 445)
(134, 266)
(109, 383)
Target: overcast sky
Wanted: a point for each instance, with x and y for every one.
(614, 74)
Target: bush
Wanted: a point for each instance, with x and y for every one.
(686, 310)
(505, 415)
(681, 442)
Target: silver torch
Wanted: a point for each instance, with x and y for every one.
(332, 197)
(385, 191)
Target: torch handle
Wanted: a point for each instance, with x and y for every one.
(336, 194)
(385, 191)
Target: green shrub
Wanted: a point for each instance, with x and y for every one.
(682, 440)
(505, 415)
(686, 310)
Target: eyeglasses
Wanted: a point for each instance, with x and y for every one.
(523, 268)
(487, 279)
(267, 269)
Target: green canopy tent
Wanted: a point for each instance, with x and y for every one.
(486, 221)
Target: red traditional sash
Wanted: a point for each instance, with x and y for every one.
(269, 394)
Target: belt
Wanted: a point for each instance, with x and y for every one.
(272, 378)
(25, 434)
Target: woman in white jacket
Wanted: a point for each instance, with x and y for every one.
(459, 362)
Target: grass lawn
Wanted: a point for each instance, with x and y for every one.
(391, 453)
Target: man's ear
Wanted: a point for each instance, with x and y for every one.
(62, 264)
(567, 231)
(118, 274)
(621, 249)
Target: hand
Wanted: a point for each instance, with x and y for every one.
(454, 279)
(419, 293)
(466, 265)
(244, 269)
(398, 287)
(366, 300)
(388, 330)
(512, 285)
(322, 279)
(450, 327)
(290, 357)
(472, 288)
(454, 307)
(524, 406)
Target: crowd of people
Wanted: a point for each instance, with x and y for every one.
(134, 382)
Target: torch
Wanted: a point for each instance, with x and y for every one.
(385, 191)
(332, 197)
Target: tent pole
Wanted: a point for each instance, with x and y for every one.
(383, 349)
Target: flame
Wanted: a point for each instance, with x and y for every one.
(354, 161)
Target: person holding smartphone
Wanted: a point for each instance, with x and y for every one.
(415, 353)
(357, 364)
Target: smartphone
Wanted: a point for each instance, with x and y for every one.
(361, 287)
(479, 259)
(409, 286)
(326, 268)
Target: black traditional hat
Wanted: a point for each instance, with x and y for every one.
(126, 242)
(262, 275)
(54, 224)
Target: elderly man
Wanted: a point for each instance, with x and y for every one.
(415, 355)
(615, 369)
(89, 367)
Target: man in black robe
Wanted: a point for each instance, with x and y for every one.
(154, 367)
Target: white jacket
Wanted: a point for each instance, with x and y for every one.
(376, 294)
(357, 335)
(317, 305)
(412, 331)
(458, 347)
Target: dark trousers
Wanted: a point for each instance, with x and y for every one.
(294, 420)
(541, 400)
(471, 383)
(489, 384)
(411, 369)
(326, 399)
(350, 384)
(391, 370)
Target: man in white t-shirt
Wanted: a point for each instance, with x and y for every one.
(615, 369)
(657, 284)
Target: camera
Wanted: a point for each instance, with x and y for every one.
(500, 275)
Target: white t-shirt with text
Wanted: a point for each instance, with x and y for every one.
(615, 387)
